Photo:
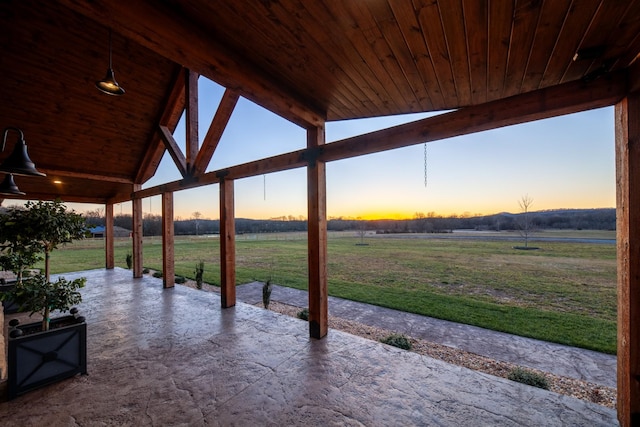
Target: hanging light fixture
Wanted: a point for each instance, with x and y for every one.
(18, 162)
(9, 187)
(109, 85)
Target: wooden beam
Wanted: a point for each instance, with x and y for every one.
(108, 237)
(84, 175)
(218, 125)
(295, 159)
(317, 238)
(191, 127)
(168, 262)
(162, 29)
(227, 245)
(174, 150)
(174, 106)
(627, 127)
(565, 99)
(31, 195)
(542, 104)
(137, 237)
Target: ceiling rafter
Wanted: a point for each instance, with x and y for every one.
(174, 106)
(174, 151)
(198, 52)
(218, 125)
(191, 122)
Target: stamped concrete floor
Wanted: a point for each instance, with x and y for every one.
(173, 357)
(571, 362)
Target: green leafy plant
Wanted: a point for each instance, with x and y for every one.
(129, 260)
(266, 294)
(40, 227)
(180, 279)
(531, 378)
(145, 271)
(397, 340)
(157, 274)
(303, 314)
(199, 272)
(38, 295)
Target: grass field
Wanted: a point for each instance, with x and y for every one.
(564, 292)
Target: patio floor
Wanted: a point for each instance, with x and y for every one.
(174, 357)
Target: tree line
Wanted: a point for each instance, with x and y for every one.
(576, 219)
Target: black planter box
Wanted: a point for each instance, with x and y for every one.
(9, 306)
(41, 358)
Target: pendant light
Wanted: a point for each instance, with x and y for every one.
(9, 187)
(109, 85)
(18, 162)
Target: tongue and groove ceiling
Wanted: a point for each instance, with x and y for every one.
(308, 61)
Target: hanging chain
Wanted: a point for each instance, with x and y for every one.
(425, 165)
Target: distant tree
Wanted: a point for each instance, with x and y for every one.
(197, 216)
(525, 221)
(94, 218)
(361, 229)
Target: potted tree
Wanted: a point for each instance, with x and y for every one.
(47, 351)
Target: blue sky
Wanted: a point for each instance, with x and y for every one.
(565, 162)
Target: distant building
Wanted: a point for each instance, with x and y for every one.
(98, 231)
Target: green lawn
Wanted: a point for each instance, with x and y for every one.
(563, 292)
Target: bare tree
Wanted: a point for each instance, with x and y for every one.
(362, 229)
(196, 216)
(525, 222)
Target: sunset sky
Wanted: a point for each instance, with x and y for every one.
(565, 162)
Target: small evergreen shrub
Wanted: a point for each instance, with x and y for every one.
(528, 377)
(129, 260)
(145, 271)
(199, 272)
(157, 274)
(180, 279)
(266, 294)
(303, 314)
(397, 340)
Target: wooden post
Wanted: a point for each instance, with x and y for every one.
(137, 237)
(168, 264)
(627, 127)
(191, 122)
(227, 244)
(317, 236)
(108, 237)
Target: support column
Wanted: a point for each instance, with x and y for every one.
(317, 236)
(227, 244)
(109, 262)
(168, 264)
(627, 127)
(137, 237)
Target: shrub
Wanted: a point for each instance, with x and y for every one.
(199, 272)
(303, 314)
(528, 377)
(157, 274)
(266, 294)
(180, 279)
(145, 271)
(397, 340)
(129, 260)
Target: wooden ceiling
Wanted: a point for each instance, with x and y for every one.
(308, 61)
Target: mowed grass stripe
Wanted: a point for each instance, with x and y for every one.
(564, 292)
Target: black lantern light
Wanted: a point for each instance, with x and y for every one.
(18, 163)
(109, 85)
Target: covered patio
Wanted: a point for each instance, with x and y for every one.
(174, 357)
(489, 64)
